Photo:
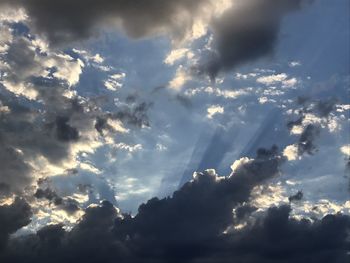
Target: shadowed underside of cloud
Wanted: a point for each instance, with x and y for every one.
(68, 205)
(65, 20)
(12, 218)
(246, 31)
(194, 225)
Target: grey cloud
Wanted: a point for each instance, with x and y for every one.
(322, 109)
(188, 227)
(50, 123)
(325, 107)
(307, 138)
(64, 131)
(247, 31)
(298, 122)
(24, 137)
(135, 114)
(67, 204)
(242, 212)
(51, 235)
(101, 124)
(296, 197)
(12, 218)
(163, 229)
(64, 20)
(21, 58)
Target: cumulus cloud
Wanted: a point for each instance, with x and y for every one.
(64, 20)
(214, 110)
(242, 30)
(69, 205)
(195, 224)
(246, 31)
(12, 218)
(203, 210)
(44, 124)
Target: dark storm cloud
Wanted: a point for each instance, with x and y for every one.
(247, 31)
(172, 228)
(196, 213)
(12, 218)
(242, 212)
(279, 238)
(188, 227)
(65, 20)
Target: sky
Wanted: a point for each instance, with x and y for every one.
(174, 131)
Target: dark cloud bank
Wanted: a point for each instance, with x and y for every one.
(194, 225)
(245, 32)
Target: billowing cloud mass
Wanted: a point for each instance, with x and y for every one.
(45, 125)
(243, 31)
(60, 23)
(13, 217)
(196, 224)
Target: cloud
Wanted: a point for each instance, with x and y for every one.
(180, 79)
(291, 152)
(225, 93)
(115, 81)
(199, 211)
(245, 32)
(69, 205)
(131, 113)
(12, 218)
(214, 110)
(297, 197)
(306, 140)
(44, 124)
(64, 21)
(194, 225)
(272, 79)
(242, 30)
(312, 118)
(176, 55)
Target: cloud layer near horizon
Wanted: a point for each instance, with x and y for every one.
(196, 224)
